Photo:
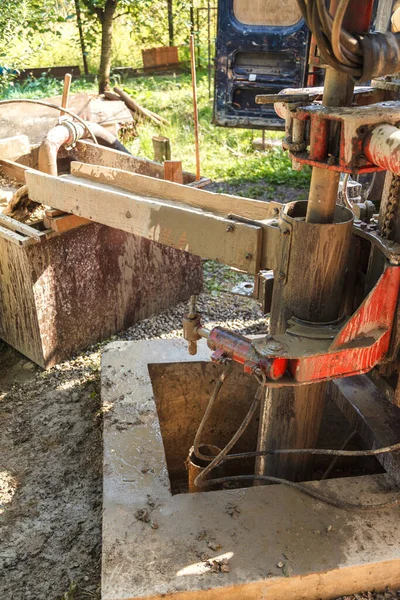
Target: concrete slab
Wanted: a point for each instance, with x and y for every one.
(271, 542)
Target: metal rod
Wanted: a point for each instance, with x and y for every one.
(290, 417)
(338, 91)
(195, 108)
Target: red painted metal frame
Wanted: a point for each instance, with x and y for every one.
(362, 342)
(240, 349)
(360, 345)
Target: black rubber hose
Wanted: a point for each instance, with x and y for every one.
(107, 139)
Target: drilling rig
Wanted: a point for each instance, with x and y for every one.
(334, 311)
(334, 328)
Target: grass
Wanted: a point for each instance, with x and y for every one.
(227, 155)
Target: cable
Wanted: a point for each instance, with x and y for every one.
(50, 105)
(363, 56)
(305, 490)
(316, 452)
(345, 194)
(223, 456)
(333, 462)
(196, 444)
(220, 458)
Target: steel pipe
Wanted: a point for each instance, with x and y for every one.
(57, 137)
(382, 147)
(69, 132)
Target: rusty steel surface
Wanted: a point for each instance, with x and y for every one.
(382, 147)
(227, 344)
(312, 353)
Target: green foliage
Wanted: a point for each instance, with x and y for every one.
(70, 593)
(43, 87)
(226, 154)
(19, 20)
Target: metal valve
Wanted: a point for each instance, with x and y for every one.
(191, 323)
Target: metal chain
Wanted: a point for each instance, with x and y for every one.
(391, 207)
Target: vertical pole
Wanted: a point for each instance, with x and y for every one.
(209, 47)
(290, 417)
(198, 63)
(195, 109)
(66, 88)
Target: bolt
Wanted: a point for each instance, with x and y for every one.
(275, 346)
(128, 215)
(276, 211)
(286, 232)
(281, 277)
(360, 160)
(249, 256)
(230, 228)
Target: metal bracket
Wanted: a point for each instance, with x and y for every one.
(391, 250)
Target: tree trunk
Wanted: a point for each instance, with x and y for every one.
(170, 23)
(191, 17)
(81, 37)
(106, 45)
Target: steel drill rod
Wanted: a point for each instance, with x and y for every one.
(290, 417)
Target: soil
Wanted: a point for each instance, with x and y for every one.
(51, 456)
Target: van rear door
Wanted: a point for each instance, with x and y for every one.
(262, 47)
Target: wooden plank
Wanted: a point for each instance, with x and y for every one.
(22, 228)
(173, 171)
(53, 212)
(14, 237)
(88, 152)
(373, 416)
(19, 324)
(13, 170)
(14, 147)
(221, 204)
(195, 231)
(64, 222)
(267, 12)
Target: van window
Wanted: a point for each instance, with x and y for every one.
(267, 12)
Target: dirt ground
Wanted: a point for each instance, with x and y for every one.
(51, 457)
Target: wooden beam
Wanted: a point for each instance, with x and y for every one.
(14, 237)
(22, 228)
(63, 223)
(220, 204)
(86, 151)
(14, 147)
(13, 170)
(186, 228)
(373, 416)
(173, 171)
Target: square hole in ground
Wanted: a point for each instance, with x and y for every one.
(182, 392)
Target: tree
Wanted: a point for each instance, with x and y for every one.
(170, 23)
(81, 36)
(105, 13)
(17, 20)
